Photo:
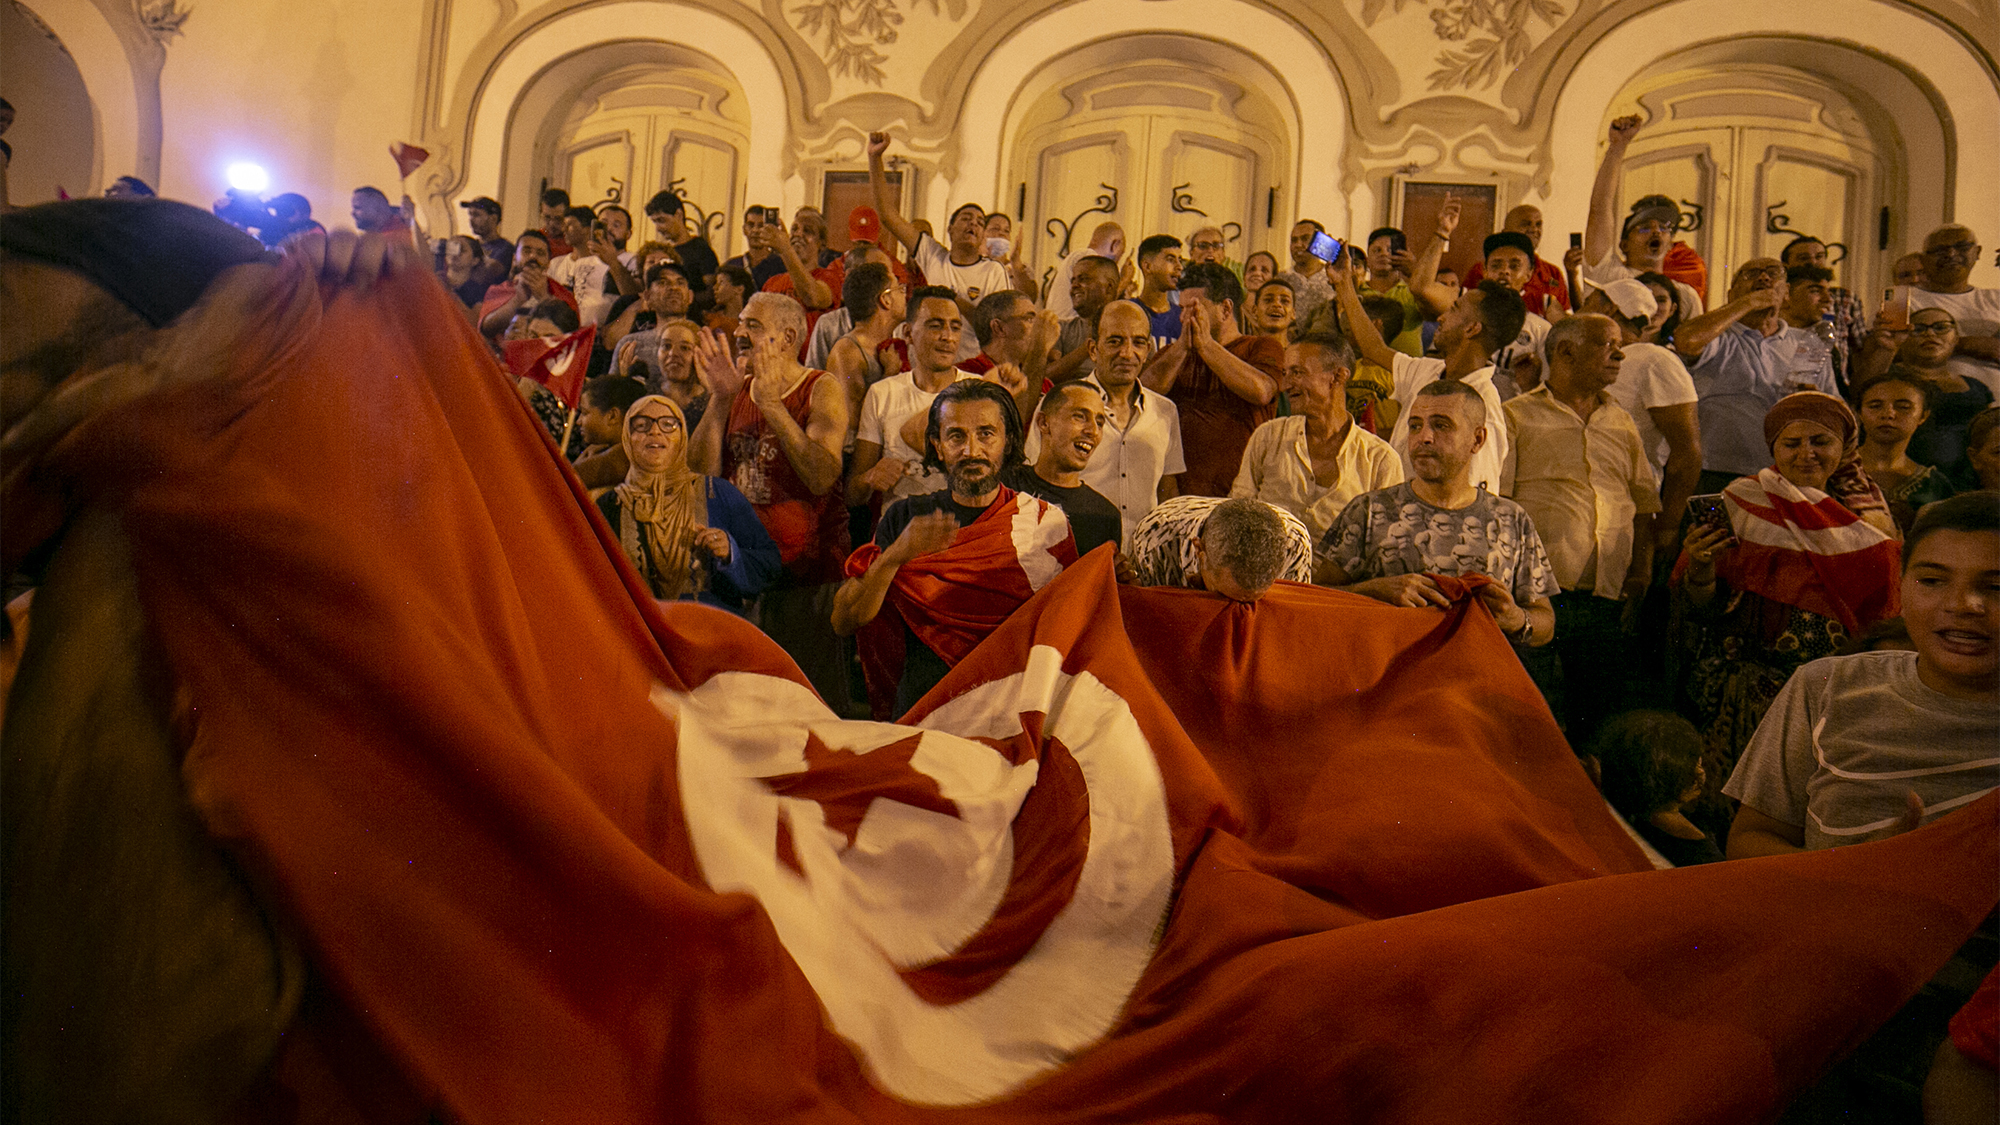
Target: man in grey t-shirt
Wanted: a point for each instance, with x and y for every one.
(1386, 543)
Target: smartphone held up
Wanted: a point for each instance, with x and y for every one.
(1325, 247)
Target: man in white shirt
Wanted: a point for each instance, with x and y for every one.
(1315, 460)
(1576, 466)
(1950, 252)
(1484, 319)
(1139, 455)
(591, 269)
(1647, 234)
(883, 461)
(1510, 260)
(1655, 388)
(965, 268)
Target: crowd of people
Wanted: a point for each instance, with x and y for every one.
(1705, 523)
(1743, 533)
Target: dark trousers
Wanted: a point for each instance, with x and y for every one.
(1586, 674)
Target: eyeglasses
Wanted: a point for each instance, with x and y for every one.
(1934, 328)
(647, 423)
(1955, 249)
(1204, 245)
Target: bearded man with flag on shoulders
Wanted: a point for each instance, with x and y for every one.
(948, 567)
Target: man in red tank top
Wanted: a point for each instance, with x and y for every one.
(774, 429)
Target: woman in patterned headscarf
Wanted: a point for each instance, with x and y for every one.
(1810, 558)
(691, 536)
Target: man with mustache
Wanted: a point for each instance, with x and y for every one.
(1643, 242)
(973, 551)
(529, 285)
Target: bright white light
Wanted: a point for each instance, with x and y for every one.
(245, 176)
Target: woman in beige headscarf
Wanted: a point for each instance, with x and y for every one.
(691, 536)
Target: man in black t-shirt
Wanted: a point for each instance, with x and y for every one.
(1069, 423)
(972, 552)
(669, 215)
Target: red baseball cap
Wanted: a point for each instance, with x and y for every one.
(864, 225)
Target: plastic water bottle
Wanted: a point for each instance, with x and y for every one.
(1812, 360)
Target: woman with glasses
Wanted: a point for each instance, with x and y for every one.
(690, 536)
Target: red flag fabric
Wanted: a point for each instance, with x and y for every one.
(559, 852)
(1809, 551)
(408, 158)
(953, 599)
(558, 364)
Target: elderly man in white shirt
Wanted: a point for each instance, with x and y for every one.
(1312, 462)
(1576, 465)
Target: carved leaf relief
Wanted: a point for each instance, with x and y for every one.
(1490, 36)
(849, 32)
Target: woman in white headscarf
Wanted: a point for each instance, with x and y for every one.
(691, 536)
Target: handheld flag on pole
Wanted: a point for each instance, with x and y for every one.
(558, 363)
(408, 157)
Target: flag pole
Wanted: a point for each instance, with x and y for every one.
(567, 427)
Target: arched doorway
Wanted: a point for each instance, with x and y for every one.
(513, 121)
(1197, 134)
(1268, 54)
(622, 121)
(1761, 151)
(1935, 94)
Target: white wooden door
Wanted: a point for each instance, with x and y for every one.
(651, 135)
(1761, 164)
(1167, 151)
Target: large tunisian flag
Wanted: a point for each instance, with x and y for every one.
(558, 853)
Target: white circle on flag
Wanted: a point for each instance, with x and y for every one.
(917, 884)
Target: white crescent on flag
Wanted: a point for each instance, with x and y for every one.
(914, 884)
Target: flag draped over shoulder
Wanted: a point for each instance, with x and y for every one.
(558, 852)
(1808, 550)
(954, 598)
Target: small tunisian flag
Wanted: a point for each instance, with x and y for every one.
(561, 853)
(557, 363)
(408, 157)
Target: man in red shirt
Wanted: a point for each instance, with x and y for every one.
(1222, 381)
(1545, 288)
(774, 428)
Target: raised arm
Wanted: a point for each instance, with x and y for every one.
(1694, 335)
(724, 380)
(1244, 379)
(811, 291)
(1600, 234)
(1423, 279)
(1367, 340)
(621, 278)
(878, 179)
(814, 448)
